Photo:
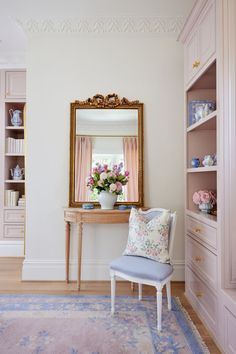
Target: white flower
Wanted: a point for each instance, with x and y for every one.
(113, 187)
(103, 176)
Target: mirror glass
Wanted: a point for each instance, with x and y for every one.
(106, 136)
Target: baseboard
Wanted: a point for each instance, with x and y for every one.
(92, 269)
(11, 248)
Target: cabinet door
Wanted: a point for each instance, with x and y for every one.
(207, 34)
(191, 50)
(230, 330)
(15, 84)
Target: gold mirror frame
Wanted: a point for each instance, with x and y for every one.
(111, 101)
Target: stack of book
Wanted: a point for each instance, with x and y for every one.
(11, 198)
(14, 146)
(21, 201)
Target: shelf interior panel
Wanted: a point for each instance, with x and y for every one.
(199, 181)
(199, 144)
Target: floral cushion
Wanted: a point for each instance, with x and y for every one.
(149, 238)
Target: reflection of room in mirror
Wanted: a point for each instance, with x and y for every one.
(107, 136)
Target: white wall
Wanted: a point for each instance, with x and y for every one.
(64, 68)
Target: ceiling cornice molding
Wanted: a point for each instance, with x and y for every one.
(104, 25)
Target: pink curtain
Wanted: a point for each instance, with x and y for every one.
(83, 166)
(130, 147)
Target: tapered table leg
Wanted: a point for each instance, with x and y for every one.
(80, 236)
(67, 250)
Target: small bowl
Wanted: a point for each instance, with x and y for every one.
(88, 206)
(122, 207)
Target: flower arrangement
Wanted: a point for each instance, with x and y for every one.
(204, 199)
(108, 179)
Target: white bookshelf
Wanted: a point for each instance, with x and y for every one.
(12, 217)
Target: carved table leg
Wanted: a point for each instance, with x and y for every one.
(67, 250)
(80, 236)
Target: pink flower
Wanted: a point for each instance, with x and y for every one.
(118, 186)
(205, 197)
(113, 187)
(103, 176)
(126, 173)
(213, 197)
(196, 198)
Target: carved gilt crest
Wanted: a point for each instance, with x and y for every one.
(108, 101)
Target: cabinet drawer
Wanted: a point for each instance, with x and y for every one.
(12, 215)
(15, 84)
(14, 231)
(202, 231)
(230, 332)
(203, 300)
(202, 260)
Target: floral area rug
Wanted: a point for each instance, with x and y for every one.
(80, 324)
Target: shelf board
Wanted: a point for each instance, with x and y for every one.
(207, 123)
(204, 217)
(10, 127)
(202, 169)
(14, 181)
(14, 207)
(14, 154)
(15, 100)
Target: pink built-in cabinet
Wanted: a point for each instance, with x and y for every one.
(209, 38)
(200, 46)
(12, 153)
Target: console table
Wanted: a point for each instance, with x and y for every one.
(80, 216)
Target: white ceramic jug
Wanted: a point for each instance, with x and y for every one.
(16, 119)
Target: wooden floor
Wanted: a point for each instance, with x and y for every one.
(10, 283)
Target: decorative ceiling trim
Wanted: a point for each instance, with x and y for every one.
(156, 25)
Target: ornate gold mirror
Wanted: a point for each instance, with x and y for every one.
(106, 130)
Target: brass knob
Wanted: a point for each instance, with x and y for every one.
(198, 259)
(196, 64)
(197, 230)
(199, 294)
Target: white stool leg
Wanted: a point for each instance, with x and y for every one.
(159, 307)
(168, 292)
(113, 293)
(140, 293)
